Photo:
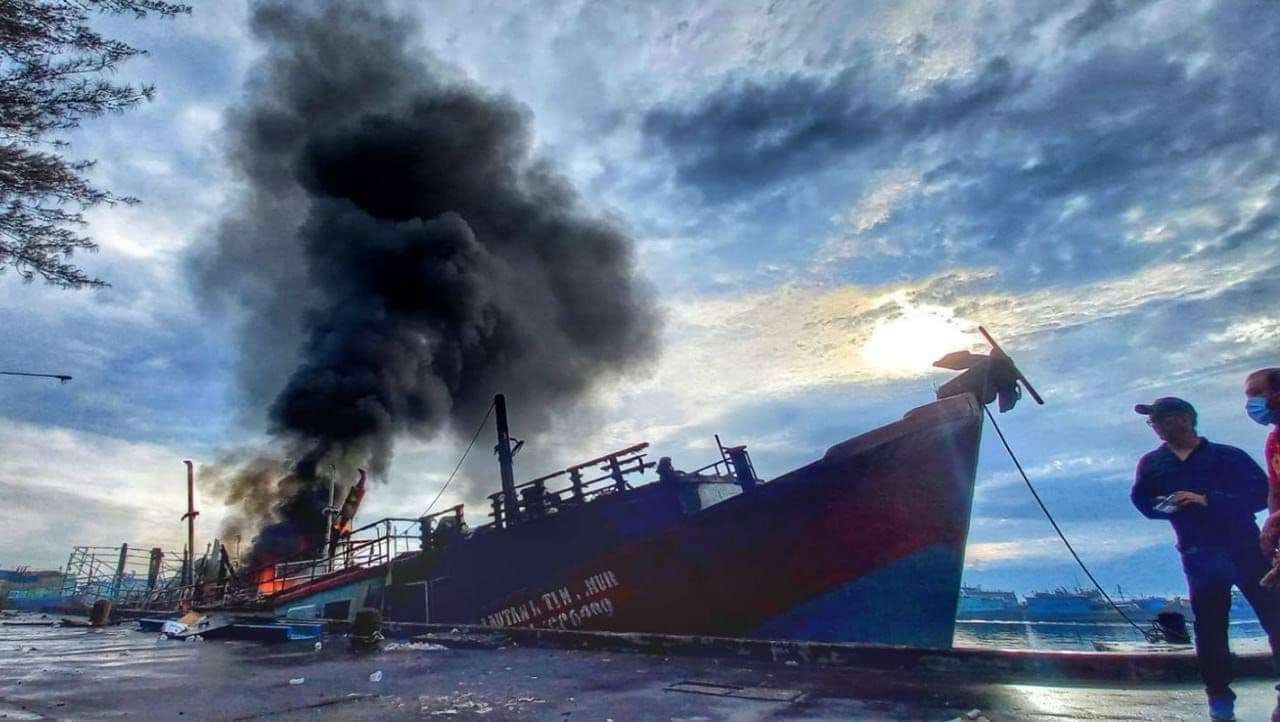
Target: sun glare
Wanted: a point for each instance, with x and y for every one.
(911, 342)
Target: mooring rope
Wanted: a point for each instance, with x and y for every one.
(479, 429)
(1146, 634)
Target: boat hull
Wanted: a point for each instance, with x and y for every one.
(865, 544)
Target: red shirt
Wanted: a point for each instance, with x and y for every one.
(1272, 455)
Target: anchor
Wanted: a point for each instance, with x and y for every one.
(988, 376)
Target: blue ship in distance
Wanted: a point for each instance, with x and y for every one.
(1075, 605)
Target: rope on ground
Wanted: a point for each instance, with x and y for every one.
(479, 429)
(1145, 633)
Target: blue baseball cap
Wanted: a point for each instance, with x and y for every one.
(1165, 405)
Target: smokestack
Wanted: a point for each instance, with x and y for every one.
(402, 243)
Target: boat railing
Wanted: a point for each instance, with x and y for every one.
(141, 578)
(369, 546)
(717, 472)
(597, 477)
(436, 529)
(733, 467)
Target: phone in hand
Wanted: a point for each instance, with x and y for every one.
(1166, 504)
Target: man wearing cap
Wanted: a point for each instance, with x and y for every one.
(1209, 493)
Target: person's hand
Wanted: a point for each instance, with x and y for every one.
(1185, 499)
(1270, 534)
(1271, 578)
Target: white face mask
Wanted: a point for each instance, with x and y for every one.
(1256, 408)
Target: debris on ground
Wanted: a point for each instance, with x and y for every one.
(297, 681)
(756, 692)
(413, 647)
(464, 640)
(973, 715)
(471, 703)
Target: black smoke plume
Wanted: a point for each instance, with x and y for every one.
(399, 254)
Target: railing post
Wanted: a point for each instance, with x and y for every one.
(576, 476)
(66, 576)
(497, 511)
(93, 564)
(153, 569)
(119, 575)
(616, 472)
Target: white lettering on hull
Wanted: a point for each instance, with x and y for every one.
(560, 608)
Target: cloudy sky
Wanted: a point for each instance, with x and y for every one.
(824, 197)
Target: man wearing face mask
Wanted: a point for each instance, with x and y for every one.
(1262, 391)
(1209, 492)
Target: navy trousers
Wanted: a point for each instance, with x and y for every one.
(1210, 575)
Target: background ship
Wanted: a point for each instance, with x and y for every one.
(1069, 605)
(977, 603)
(1078, 605)
(25, 588)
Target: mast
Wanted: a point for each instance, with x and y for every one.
(188, 576)
(330, 515)
(509, 508)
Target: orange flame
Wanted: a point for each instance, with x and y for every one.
(267, 582)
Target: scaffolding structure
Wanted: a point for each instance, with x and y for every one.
(129, 577)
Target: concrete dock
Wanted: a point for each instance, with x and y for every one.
(117, 672)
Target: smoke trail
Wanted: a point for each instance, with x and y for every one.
(400, 254)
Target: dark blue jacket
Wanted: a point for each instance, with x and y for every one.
(1230, 479)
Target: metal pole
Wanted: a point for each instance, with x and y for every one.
(510, 510)
(61, 377)
(330, 512)
(153, 571)
(115, 582)
(188, 576)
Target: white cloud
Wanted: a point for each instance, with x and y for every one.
(1098, 542)
(64, 487)
(854, 234)
(795, 337)
(1058, 467)
(926, 42)
(1257, 330)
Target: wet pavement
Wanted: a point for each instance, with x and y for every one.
(119, 673)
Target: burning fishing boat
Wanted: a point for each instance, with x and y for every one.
(865, 544)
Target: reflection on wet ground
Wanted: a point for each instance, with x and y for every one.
(48, 672)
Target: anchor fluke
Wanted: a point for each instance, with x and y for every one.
(990, 377)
